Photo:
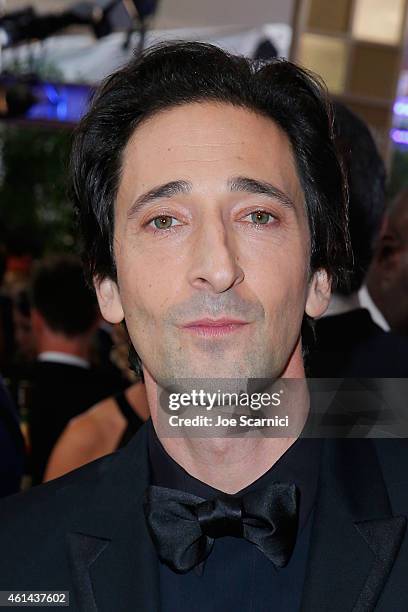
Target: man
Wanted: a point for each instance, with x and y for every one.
(212, 205)
(64, 318)
(386, 293)
(348, 342)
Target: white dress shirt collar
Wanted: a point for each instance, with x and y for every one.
(366, 301)
(57, 357)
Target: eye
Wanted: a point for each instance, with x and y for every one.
(163, 222)
(261, 217)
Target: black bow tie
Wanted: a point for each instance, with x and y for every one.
(183, 526)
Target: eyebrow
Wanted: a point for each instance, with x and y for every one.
(235, 184)
(168, 190)
(249, 185)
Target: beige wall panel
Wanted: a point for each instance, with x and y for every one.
(379, 20)
(330, 16)
(327, 57)
(374, 71)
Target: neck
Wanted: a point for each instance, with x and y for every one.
(78, 346)
(227, 465)
(230, 464)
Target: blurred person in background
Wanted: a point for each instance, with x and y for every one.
(348, 342)
(107, 426)
(6, 317)
(64, 316)
(23, 329)
(19, 363)
(12, 451)
(386, 290)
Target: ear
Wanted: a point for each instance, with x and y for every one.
(109, 300)
(318, 295)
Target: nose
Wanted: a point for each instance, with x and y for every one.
(215, 262)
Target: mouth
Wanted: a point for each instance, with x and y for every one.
(214, 327)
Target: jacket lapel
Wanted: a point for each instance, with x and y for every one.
(112, 559)
(355, 539)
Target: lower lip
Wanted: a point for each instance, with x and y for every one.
(215, 331)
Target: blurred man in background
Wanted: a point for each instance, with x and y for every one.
(386, 291)
(6, 317)
(107, 426)
(348, 341)
(65, 316)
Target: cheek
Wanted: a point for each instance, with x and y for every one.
(280, 277)
(146, 287)
(139, 293)
(151, 269)
(282, 292)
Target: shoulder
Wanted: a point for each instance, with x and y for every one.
(69, 497)
(104, 418)
(33, 524)
(95, 426)
(36, 527)
(88, 436)
(36, 505)
(95, 432)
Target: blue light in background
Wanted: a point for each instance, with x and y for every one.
(59, 102)
(400, 136)
(401, 107)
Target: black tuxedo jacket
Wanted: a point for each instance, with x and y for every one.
(86, 533)
(352, 345)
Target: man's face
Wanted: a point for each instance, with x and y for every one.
(212, 246)
(395, 268)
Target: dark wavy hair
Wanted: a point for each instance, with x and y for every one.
(366, 177)
(177, 73)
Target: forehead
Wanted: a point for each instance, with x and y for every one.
(207, 143)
